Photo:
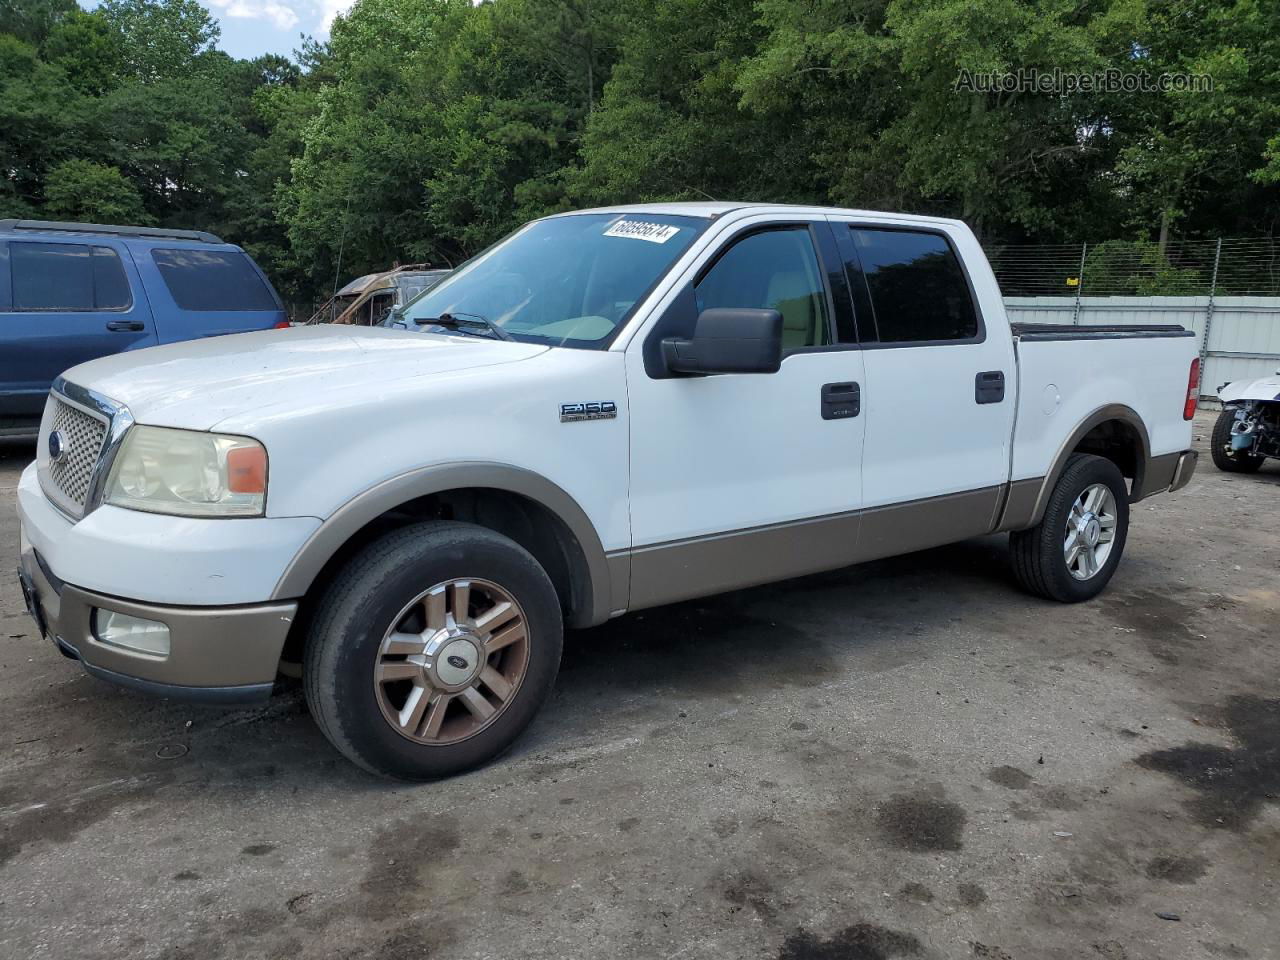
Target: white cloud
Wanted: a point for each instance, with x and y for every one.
(328, 10)
(277, 14)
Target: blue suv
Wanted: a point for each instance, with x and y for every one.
(70, 292)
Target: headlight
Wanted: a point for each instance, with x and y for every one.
(189, 473)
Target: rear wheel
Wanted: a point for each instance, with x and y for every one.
(433, 650)
(1072, 553)
(1224, 457)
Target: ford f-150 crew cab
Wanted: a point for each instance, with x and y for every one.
(609, 410)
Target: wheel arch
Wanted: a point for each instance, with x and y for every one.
(518, 503)
(1115, 432)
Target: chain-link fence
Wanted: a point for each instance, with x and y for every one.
(1138, 268)
(1227, 291)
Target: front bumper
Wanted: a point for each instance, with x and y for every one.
(226, 654)
(170, 561)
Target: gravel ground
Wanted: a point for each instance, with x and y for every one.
(904, 759)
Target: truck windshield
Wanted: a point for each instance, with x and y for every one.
(570, 281)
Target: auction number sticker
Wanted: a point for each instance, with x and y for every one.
(640, 230)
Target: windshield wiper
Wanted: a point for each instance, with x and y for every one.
(467, 323)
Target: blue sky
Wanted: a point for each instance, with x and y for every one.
(254, 27)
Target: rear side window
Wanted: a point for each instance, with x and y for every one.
(213, 280)
(68, 277)
(918, 290)
(110, 288)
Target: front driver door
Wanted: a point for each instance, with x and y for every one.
(744, 478)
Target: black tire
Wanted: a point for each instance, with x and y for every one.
(356, 611)
(1226, 459)
(1039, 563)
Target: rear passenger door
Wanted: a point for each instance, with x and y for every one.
(939, 395)
(62, 303)
(203, 292)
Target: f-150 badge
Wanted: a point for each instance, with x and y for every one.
(573, 412)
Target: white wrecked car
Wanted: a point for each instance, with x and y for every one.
(1248, 429)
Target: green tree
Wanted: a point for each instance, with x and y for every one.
(354, 199)
(178, 139)
(42, 122)
(1194, 159)
(897, 127)
(670, 124)
(512, 131)
(278, 107)
(425, 129)
(32, 20)
(1138, 268)
(88, 49)
(160, 38)
(82, 190)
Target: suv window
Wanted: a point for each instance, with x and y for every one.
(918, 290)
(67, 276)
(110, 287)
(772, 270)
(213, 280)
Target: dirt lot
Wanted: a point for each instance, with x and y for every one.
(907, 759)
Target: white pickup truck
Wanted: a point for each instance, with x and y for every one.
(609, 410)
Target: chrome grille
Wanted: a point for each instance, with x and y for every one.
(84, 435)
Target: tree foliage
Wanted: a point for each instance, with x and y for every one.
(426, 129)
(1138, 268)
(84, 191)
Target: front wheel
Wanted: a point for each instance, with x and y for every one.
(1226, 457)
(1074, 550)
(432, 650)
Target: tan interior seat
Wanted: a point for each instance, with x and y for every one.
(791, 295)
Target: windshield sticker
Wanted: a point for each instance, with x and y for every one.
(639, 230)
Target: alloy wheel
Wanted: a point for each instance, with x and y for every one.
(1090, 531)
(451, 661)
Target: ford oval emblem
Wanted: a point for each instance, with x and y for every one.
(57, 447)
(457, 661)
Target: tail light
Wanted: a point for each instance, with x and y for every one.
(1193, 390)
(282, 325)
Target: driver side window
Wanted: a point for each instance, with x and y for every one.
(774, 270)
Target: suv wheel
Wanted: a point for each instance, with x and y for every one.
(1074, 550)
(1226, 458)
(432, 650)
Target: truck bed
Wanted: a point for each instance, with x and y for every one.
(1067, 374)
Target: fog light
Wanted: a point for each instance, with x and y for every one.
(131, 633)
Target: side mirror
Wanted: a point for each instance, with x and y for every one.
(728, 340)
